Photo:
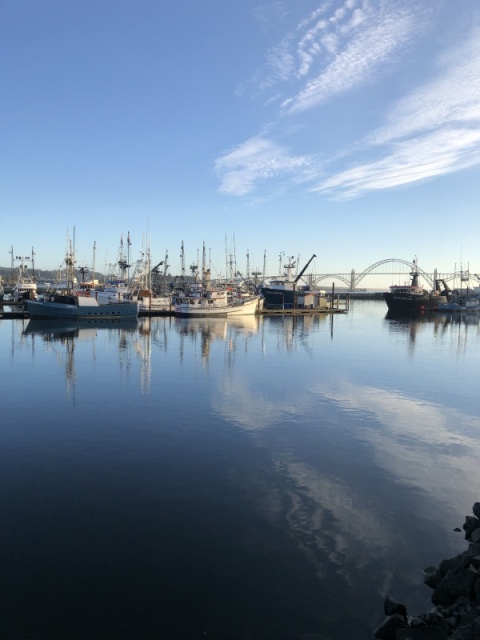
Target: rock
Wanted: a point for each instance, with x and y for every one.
(432, 577)
(388, 629)
(476, 627)
(454, 564)
(391, 606)
(456, 596)
(471, 523)
(464, 633)
(454, 584)
(422, 633)
(476, 592)
(475, 535)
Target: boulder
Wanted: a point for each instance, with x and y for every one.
(454, 564)
(391, 606)
(454, 584)
(432, 577)
(471, 523)
(422, 633)
(388, 629)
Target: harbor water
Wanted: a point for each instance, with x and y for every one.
(265, 478)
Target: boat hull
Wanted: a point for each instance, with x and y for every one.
(277, 298)
(406, 302)
(46, 309)
(202, 310)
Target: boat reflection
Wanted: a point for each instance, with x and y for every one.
(62, 337)
(230, 330)
(457, 328)
(61, 329)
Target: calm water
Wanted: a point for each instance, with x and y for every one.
(231, 479)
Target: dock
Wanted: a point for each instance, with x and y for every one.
(15, 311)
(301, 312)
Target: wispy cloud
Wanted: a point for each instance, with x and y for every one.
(433, 131)
(430, 131)
(257, 160)
(452, 97)
(354, 44)
(431, 155)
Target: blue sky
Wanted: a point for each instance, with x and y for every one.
(348, 129)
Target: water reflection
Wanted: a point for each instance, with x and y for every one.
(330, 467)
(52, 330)
(456, 328)
(232, 331)
(66, 334)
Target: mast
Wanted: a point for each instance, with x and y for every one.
(93, 265)
(226, 259)
(182, 256)
(165, 267)
(12, 265)
(128, 256)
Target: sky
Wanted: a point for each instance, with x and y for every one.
(345, 129)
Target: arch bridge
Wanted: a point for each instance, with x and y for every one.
(353, 279)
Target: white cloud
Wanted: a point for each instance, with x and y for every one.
(256, 160)
(431, 132)
(411, 161)
(454, 96)
(357, 60)
(404, 421)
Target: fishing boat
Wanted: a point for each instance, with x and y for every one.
(413, 297)
(469, 302)
(25, 288)
(78, 306)
(205, 300)
(285, 293)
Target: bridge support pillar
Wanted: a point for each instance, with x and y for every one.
(352, 280)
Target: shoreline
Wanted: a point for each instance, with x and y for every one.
(456, 597)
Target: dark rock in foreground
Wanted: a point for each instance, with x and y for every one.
(456, 596)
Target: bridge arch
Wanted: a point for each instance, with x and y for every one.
(329, 276)
(412, 266)
(353, 279)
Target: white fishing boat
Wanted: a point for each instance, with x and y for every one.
(152, 303)
(114, 290)
(25, 288)
(204, 300)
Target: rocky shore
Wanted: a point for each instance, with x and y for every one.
(456, 597)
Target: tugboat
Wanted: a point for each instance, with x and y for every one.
(413, 297)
